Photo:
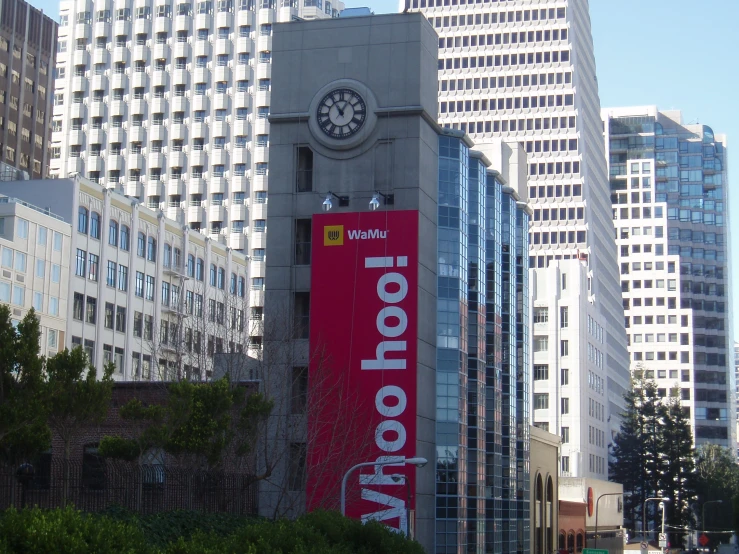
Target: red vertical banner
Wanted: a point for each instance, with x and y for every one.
(362, 375)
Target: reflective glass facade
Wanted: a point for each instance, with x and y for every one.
(669, 199)
(482, 465)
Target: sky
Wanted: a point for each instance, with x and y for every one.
(675, 54)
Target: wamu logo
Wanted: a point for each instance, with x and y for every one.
(334, 235)
(364, 235)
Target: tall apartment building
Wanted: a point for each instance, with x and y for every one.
(27, 47)
(669, 192)
(167, 102)
(122, 281)
(524, 71)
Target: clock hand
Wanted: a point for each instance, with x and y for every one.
(341, 112)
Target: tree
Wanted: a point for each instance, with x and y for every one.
(717, 478)
(678, 479)
(24, 432)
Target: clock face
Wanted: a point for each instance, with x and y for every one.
(341, 113)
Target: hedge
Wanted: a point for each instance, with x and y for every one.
(35, 531)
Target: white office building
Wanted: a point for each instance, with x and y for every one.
(34, 268)
(167, 101)
(669, 192)
(137, 289)
(524, 70)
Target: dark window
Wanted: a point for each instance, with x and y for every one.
(305, 169)
(302, 241)
(299, 395)
(93, 468)
(296, 477)
(301, 315)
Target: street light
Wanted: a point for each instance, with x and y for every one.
(596, 512)
(703, 511)
(644, 513)
(397, 477)
(400, 460)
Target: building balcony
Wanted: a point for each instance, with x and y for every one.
(259, 211)
(181, 50)
(121, 55)
(243, 72)
(101, 29)
(76, 137)
(158, 132)
(156, 159)
(121, 28)
(220, 129)
(237, 241)
(95, 136)
(176, 187)
(202, 48)
(100, 56)
(99, 82)
(177, 159)
(219, 156)
(139, 79)
(224, 46)
(263, 98)
(240, 184)
(261, 126)
(216, 213)
(241, 127)
(159, 105)
(75, 165)
(240, 156)
(245, 17)
(244, 44)
(221, 101)
(217, 185)
(264, 71)
(180, 77)
(196, 185)
(238, 212)
(183, 23)
(264, 43)
(163, 25)
(222, 73)
(160, 52)
(195, 214)
(259, 182)
(140, 53)
(259, 240)
(119, 80)
(203, 21)
(137, 134)
(78, 110)
(286, 15)
(266, 15)
(142, 27)
(115, 162)
(224, 19)
(136, 161)
(199, 130)
(155, 187)
(200, 102)
(81, 57)
(159, 78)
(97, 109)
(79, 84)
(134, 189)
(201, 75)
(177, 214)
(198, 157)
(116, 134)
(180, 104)
(261, 155)
(137, 107)
(95, 163)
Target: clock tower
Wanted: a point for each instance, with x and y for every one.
(353, 142)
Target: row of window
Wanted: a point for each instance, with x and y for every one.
(559, 237)
(486, 18)
(503, 60)
(16, 294)
(561, 214)
(503, 82)
(519, 37)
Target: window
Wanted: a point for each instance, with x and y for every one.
(301, 315)
(109, 315)
(565, 376)
(304, 175)
(541, 343)
(564, 348)
(565, 406)
(299, 392)
(141, 245)
(565, 435)
(40, 268)
(541, 372)
(139, 289)
(111, 274)
(149, 287)
(122, 277)
(541, 315)
(296, 476)
(563, 317)
(212, 275)
(82, 220)
(93, 468)
(151, 250)
(57, 242)
(93, 262)
(541, 401)
(221, 278)
(200, 270)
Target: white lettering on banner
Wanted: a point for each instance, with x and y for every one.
(364, 235)
(397, 508)
(378, 477)
(390, 434)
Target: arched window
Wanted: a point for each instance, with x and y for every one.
(562, 539)
(141, 245)
(538, 519)
(95, 225)
(113, 233)
(212, 275)
(190, 265)
(221, 278)
(571, 541)
(242, 287)
(200, 270)
(82, 220)
(549, 517)
(167, 255)
(151, 251)
(125, 238)
(580, 541)
(177, 257)
(232, 286)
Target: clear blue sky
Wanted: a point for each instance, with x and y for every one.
(676, 54)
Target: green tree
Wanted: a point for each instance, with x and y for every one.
(199, 423)
(717, 479)
(678, 478)
(24, 432)
(76, 399)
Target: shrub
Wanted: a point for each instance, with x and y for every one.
(66, 531)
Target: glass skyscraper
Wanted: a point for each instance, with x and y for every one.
(670, 211)
(482, 463)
